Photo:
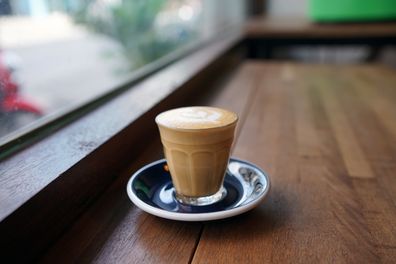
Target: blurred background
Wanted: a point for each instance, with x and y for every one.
(56, 54)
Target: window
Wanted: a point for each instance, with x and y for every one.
(58, 54)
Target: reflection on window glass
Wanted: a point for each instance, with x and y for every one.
(55, 54)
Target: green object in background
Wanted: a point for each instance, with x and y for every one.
(351, 10)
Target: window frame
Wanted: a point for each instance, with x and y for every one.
(52, 181)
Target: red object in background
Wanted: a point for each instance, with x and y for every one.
(10, 100)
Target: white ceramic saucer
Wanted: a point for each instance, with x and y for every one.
(151, 189)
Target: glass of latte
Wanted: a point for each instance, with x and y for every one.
(197, 143)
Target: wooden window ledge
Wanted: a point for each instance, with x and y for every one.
(47, 185)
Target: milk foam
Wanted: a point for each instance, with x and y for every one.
(197, 117)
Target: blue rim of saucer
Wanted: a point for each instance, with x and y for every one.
(151, 189)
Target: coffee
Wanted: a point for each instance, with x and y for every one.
(197, 117)
(197, 143)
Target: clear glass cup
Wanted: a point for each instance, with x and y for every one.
(197, 153)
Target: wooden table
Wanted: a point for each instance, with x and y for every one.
(266, 33)
(327, 137)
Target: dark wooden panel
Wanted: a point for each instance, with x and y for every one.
(288, 27)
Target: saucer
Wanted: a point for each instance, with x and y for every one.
(151, 189)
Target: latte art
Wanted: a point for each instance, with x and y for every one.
(192, 115)
(196, 118)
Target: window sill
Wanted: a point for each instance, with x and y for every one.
(53, 181)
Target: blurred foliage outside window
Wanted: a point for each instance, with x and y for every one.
(138, 27)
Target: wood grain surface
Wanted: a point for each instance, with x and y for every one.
(327, 137)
